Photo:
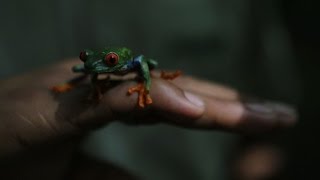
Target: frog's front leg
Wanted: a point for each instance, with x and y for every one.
(96, 86)
(143, 88)
(67, 86)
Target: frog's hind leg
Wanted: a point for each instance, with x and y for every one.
(144, 97)
(170, 76)
(152, 64)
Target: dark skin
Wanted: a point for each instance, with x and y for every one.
(40, 132)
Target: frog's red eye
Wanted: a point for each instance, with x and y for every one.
(83, 56)
(111, 59)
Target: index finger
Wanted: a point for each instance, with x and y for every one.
(181, 107)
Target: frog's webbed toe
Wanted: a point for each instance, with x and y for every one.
(144, 97)
(67, 86)
(62, 88)
(170, 76)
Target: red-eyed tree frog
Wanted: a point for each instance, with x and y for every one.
(117, 61)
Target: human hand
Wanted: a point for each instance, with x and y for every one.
(32, 115)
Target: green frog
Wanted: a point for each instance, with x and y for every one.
(119, 61)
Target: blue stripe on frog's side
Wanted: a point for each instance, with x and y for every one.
(135, 63)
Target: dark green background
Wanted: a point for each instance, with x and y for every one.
(267, 48)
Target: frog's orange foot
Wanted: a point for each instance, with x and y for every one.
(170, 76)
(62, 88)
(144, 96)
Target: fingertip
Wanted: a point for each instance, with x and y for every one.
(261, 116)
(246, 117)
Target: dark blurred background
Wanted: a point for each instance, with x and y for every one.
(266, 48)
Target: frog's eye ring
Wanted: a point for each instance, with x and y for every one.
(111, 59)
(83, 56)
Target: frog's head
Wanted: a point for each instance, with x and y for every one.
(107, 60)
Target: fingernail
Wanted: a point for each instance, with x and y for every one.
(260, 110)
(285, 112)
(195, 100)
(273, 111)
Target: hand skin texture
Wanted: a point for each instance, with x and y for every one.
(39, 128)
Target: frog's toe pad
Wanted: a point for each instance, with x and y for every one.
(170, 76)
(148, 99)
(62, 88)
(144, 97)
